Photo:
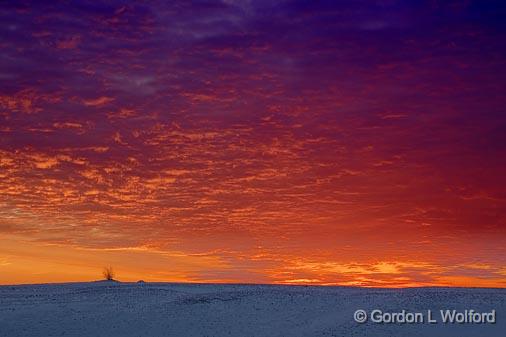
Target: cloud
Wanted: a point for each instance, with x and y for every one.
(70, 43)
(103, 100)
(348, 136)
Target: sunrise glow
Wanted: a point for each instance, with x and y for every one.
(349, 143)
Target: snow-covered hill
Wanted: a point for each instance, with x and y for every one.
(164, 309)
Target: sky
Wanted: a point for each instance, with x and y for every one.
(294, 142)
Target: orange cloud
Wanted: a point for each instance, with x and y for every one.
(98, 101)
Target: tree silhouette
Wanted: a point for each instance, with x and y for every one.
(108, 273)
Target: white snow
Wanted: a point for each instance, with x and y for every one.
(167, 309)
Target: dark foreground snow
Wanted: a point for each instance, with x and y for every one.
(162, 309)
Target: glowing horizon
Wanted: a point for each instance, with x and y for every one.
(359, 143)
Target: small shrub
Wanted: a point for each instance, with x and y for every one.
(108, 273)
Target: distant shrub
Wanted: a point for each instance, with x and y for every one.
(108, 273)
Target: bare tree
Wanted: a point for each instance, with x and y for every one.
(108, 273)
